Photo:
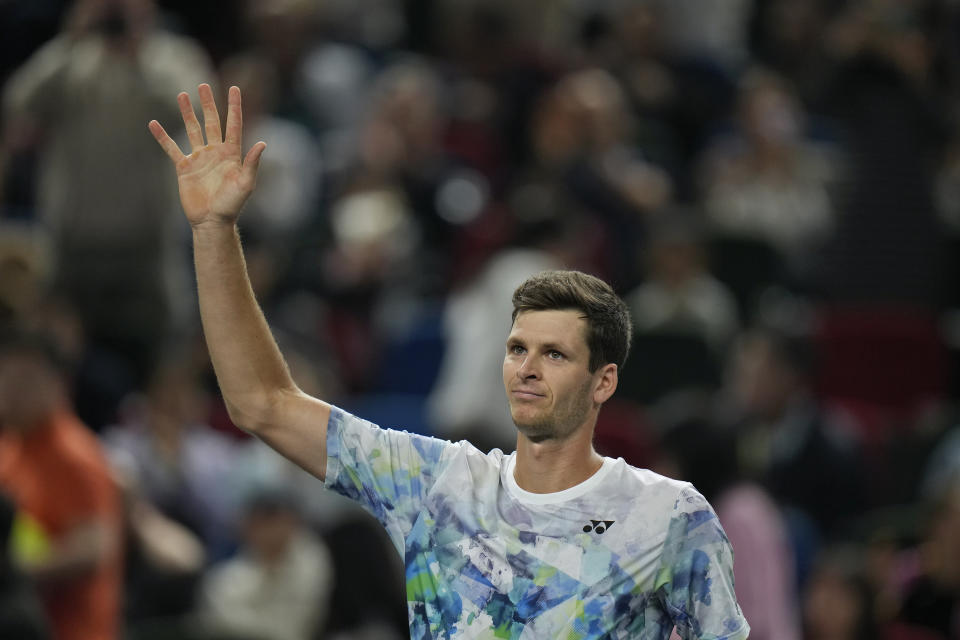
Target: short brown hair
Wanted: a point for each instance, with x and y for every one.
(608, 321)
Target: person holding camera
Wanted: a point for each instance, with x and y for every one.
(80, 102)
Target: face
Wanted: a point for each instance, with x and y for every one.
(761, 385)
(832, 606)
(549, 386)
(268, 534)
(771, 116)
(29, 391)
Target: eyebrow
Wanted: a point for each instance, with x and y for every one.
(548, 346)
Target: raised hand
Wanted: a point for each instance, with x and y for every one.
(214, 183)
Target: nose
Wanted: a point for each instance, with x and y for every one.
(527, 369)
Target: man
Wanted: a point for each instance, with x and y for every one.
(801, 453)
(68, 534)
(552, 541)
(278, 586)
(119, 257)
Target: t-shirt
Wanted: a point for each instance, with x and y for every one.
(625, 554)
(59, 478)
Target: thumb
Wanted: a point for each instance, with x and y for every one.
(252, 162)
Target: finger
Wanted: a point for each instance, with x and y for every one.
(190, 121)
(234, 117)
(165, 141)
(252, 162)
(211, 119)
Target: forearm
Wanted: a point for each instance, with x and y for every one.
(256, 384)
(83, 550)
(249, 367)
(167, 545)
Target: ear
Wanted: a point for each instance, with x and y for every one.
(606, 378)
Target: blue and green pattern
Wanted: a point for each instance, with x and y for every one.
(484, 560)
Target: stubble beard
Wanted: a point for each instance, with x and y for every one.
(565, 418)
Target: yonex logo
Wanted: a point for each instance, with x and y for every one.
(598, 526)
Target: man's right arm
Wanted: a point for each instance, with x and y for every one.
(254, 379)
(256, 384)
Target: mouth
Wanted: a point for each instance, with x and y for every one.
(525, 394)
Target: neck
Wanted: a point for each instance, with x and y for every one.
(555, 465)
(33, 425)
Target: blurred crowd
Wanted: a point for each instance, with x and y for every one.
(772, 185)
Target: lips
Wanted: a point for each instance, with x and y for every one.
(526, 394)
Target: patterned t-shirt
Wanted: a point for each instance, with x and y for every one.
(625, 554)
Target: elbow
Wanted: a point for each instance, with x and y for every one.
(242, 419)
(247, 416)
(255, 414)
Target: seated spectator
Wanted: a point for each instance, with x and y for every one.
(889, 54)
(56, 472)
(679, 294)
(768, 180)
(805, 457)
(176, 462)
(163, 561)
(289, 179)
(278, 587)
(838, 600)
(582, 137)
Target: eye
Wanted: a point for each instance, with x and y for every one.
(555, 355)
(517, 350)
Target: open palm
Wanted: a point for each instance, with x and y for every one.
(214, 183)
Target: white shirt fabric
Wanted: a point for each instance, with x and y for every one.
(625, 554)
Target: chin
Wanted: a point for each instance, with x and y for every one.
(533, 428)
(537, 435)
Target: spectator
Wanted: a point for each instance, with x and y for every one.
(679, 294)
(290, 180)
(582, 137)
(176, 462)
(883, 98)
(163, 559)
(768, 181)
(54, 469)
(116, 236)
(838, 601)
(801, 454)
(278, 587)
(788, 37)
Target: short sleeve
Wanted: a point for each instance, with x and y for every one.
(388, 472)
(695, 580)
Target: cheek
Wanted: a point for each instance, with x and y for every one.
(577, 396)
